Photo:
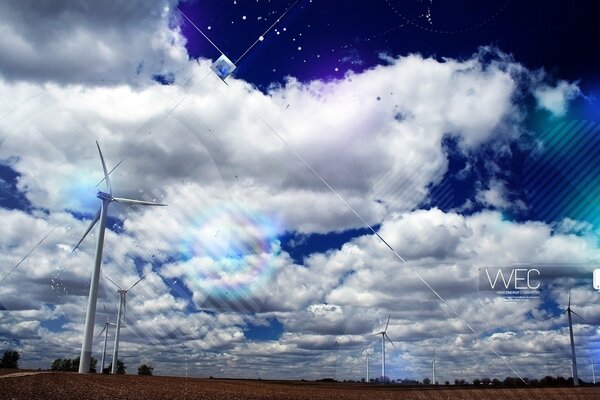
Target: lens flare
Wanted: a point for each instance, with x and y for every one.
(229, 257)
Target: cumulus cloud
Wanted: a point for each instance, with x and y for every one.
(74, 41)
(556, 98)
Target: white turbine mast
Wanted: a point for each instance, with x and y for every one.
(383, 337)
(433, 369)
(104, 330)
(120, 316)
(367, 354)
(593, 372)
(569, 311)
(90, 316)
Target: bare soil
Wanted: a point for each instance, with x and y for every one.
(61, 385)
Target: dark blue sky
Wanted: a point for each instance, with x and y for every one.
(556, 35)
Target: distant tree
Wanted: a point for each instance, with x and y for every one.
(71, 365)
(447, 383)
(10, 359)
(476, 382)
(486, 381)
(426, 381)
(496, 382)
(120, 367)
(363, 380)
(145, 369)
(460, 382)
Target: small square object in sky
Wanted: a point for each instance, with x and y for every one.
(223, 67)
(597, 279)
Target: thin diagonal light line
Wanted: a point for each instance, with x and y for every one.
(28, 254)
(267, 31)
(199, 30)
(370, 227)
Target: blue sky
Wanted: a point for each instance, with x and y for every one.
(465, 135)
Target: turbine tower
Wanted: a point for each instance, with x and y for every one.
(433, 369)
(383, 337)
(104, 330)
(367, 354)
(121, 312)
(593, 373)
(90, 316)
(569, 311)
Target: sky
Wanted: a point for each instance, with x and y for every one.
(364, 161)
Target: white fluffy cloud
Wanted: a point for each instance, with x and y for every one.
(556, 98)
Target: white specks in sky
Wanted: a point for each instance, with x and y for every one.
(244, 17)
(336, 69)
(299, 47)
(261, 38)
(209, 28)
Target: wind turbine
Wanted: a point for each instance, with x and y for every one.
(593, 373)
(122, 303)
(90, 316)
(383, 337)
(569, 311)
(433, 369)
(367, 354)
(107, 324)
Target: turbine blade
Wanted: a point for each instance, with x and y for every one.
(113, 282)
(106, 312)
(390, 340)
(109, 172)
(102, 331)
(136, 202)
(569, 306)
(106, 178)
(579, 316)
(388, 323)
(138, 281)
(555, 315)
(94, 220)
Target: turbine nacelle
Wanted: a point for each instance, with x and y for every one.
(104, 196)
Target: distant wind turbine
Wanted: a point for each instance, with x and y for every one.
(90, 316)
(121, 312)
(433, 369)
(593, 373)
(107, 324)
(383, 337)
(367, 354)
(569, 311)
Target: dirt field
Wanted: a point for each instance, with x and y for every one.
(58, 385)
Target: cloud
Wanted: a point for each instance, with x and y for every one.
(556, 98)
(76, 41)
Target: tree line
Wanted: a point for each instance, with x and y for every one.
(10, 359)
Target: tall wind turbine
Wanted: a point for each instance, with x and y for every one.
(569, 311)
(593, 373)
(367, 354)
(121, 312)
(90, 316)
(433, 369)
(107, 324)
(383, 337)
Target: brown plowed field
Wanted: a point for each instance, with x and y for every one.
(95, 386)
